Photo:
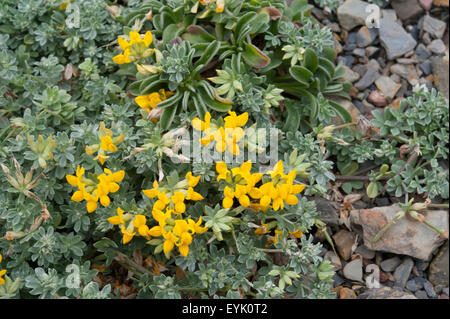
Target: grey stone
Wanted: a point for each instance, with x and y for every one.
(395, 40)
(344, 241)
(389, 88)
(406, 236)
(352, 13)
(337, 46)
(333, 259)
(365, 252)
(422, 52)
(426, 4)
(429, 289)
(353, 270)
(439, 268)
(389, 14)
(422, 265)
(407, 9)
(370, 75)
(402, 272)
(370, 51)
(445, 290)
(390, 264)
(437, 46)
(415, 284)
(350, 75)
(385, 293)
(359, 52)
(421, 294)
(436, 28)
(365, 36)
(328, 211)
(425, 66)
(408, 72)
(338, 281)
(439, 67)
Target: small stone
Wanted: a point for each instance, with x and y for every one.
(395, 40)
(422, 52)
(346, 293)
(334, 27)
(370, 51)
(437, 46)
(421, 294)
(390, 264)
(441, 3)
(353, 270)
(359, 52)
(426, 4)
(425, 66)
(429, 289)
(422, 265)
(369, 76)
(389, 88)
(352, 13)
(377, 98)
(383, 201)
(328, 211)
(402, 272)
(350, 75)
(365, 252)
(415, 284)
(407, 72)
(389, 14)
(333, 259)
(365, 36)
(439, 67)
(337, 46)
(426, 38)
(439, 268)
(434, 27)
(385, 293)
(337, 280)
(407, 9)
(443, 296)
(445, 290)
(344, 241)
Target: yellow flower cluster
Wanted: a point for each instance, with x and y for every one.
(226, 136)
(220, 4)
(93, 191)
(107, 144)
(2, 273)
(241, 184)
(265, 229)
(135, 223)
(135, 49)
(150, 101)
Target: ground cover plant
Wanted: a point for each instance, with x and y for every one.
(103, 196)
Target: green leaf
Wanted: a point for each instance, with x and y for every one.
(255, 57)
(347, 168)
(293, 119)
(170, 33)
(209, 53)
(196, 34)
(342, 112)
(310, 60)
(167, 116)
(171, 101)
(372, 190)
(301, 74)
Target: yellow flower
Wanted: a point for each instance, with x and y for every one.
(296, 234)
(192, 180)
(192, 195)
(220, 4)
(221, 168)
(278, 236)
(139, 222)
(150, 101)
(135, 48)
(127, 235)
(178, 201)
(117, 220)
(107, 144)
(263, 229)
(76, 180)
(2, 273)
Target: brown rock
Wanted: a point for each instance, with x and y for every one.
(407, 9)
(346, 293)
(344, 241)
(441, 3)
(396, 103)
(377, 98)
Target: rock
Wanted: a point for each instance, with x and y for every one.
(328, 211)
(426, 4)
(395, 40)
(422, 265)
(370, 51)
(441, 3)
(439, 67)
(350, 75)
(389, 14)
(352, 13)
(388, 88)
(337, 280)
(434, 27)
(429, 289)
(370, 75)
(422, 52)
(437, 46)
(337, 46)
(402, 272)
(439, 268)
(353, 270)
(385, 293)
(425, 66)
(407, 9)
(346, 293)
(406, 237)
(344, 241)
(445, 290)
(349, 106)
(365, 252)
(407, 72)
(421, 294)
(333, 259)
(415, 284)
(390, 264)
(365, 36)
(377, 98)
(359, 52)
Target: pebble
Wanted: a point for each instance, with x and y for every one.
(377, 98)
(337, 280)
(395, 40)
(333, 259)
(429, 289)
(328, 211)
(445, 291)
(385, 293)
(370, 75)
(350, 75)
(439, 67)
(389, 14)
(385, 84)
(439, 268)
(402, 272)
(415, 284)
(352, 13)
(346, 293)
(365, 36)
(437, 46)
(421, 294)
(425, 66)
(407, 72)
(436, 28)
(426, 4)
(353, 270)
(370, 51)
(360, 52)
(407, 9)
(365, 252)
(422, 52)
(344, 241)
(390, 264)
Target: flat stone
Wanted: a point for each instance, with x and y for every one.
(346, 293)
(395, 40)
(408, 72)
(359, 52)
(344, 241)
(415, 284)
(407, 9)
(426, 4)
(390, 264)
(422, 52)
(439, 67)
(350, 75)
(441, 3)
(328, 211)
(365, 252)
(429, 289)
(385, 293)
(370, 75)
(333, 259)
(377, 98)
(353, 270)
(402, 272)
(352, 13)
(439, 268)
(389, 14)
(425, 66)
(437, 47)
(371, 51)
(365, 36)
(406, 236)
(436, 28)
(337, 280)
(389, 88)
(421, 294)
